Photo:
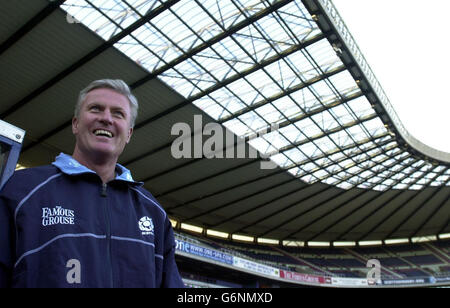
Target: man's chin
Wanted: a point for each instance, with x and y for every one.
(98, 152)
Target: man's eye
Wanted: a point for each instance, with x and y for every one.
(119, 114)
(94, 108)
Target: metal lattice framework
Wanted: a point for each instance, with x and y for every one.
(347, 168)
(249, 64)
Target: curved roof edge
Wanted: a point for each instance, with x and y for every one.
(345, 37)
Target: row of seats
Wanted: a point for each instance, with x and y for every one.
(405, 260)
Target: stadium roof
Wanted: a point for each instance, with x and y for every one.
(285, 76)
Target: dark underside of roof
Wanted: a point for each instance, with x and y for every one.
(45, 61)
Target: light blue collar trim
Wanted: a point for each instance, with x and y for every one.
(69, 165)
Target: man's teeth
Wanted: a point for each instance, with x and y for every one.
(102, 132)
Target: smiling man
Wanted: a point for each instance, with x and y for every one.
(83, 221)
(102, 125)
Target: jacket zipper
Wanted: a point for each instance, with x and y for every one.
(108, 235)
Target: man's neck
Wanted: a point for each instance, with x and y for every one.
(104, 168)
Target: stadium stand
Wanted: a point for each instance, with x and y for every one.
(420, 262)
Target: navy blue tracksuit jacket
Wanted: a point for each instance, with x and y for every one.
(60, 226)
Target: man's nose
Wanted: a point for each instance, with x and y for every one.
(106, 117)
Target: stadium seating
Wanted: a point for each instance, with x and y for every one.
(397, 261)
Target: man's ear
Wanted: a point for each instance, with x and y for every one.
(130, 132)
(74, 125)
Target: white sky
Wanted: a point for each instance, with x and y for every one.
(407, 45)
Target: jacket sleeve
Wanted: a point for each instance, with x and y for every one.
(6, 244)
(171, 276)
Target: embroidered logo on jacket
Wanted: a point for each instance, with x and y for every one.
(146, 225)
(57, 215)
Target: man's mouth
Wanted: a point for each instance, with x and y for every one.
(102, 132)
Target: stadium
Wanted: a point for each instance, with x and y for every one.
(289, 166)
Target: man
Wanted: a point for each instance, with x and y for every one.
(83, 221)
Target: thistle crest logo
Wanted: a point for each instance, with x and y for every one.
(146, 225)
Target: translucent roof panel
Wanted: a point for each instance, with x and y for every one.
(250, 65)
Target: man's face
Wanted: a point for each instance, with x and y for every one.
(102, 128)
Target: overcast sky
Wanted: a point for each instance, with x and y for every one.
(407, 45)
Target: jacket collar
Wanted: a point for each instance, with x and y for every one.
(68, 165)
